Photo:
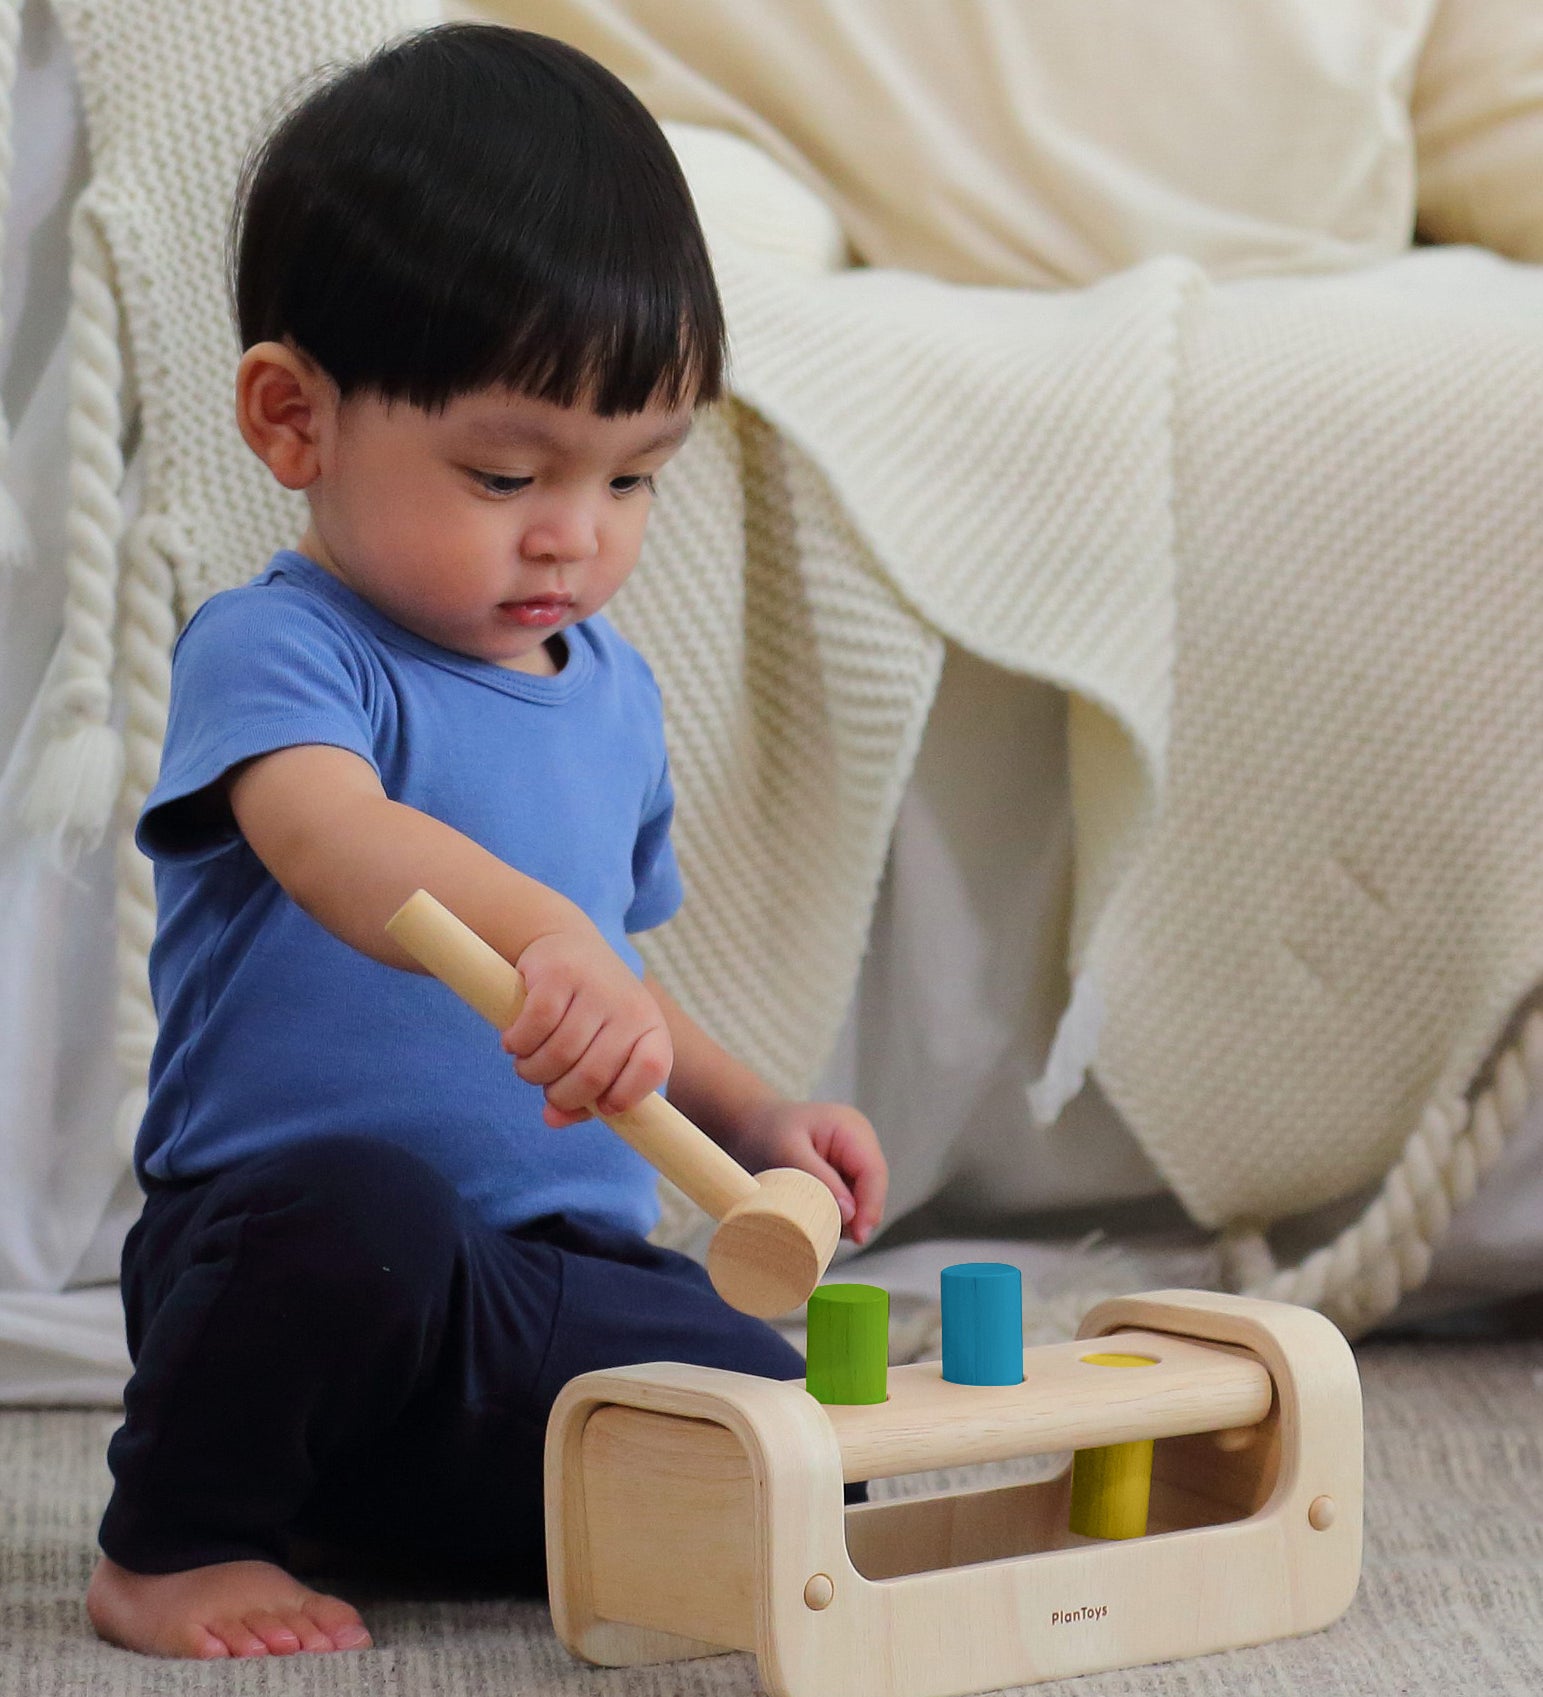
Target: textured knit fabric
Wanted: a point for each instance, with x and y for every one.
(272, 1030)
(1310, 510)
(1328, 493)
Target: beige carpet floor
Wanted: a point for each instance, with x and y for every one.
(1451, 1601)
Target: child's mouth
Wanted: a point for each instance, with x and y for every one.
(538, 612)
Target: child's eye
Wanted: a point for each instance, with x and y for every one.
(497, 485)
(628, 485)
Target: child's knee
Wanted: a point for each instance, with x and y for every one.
(352, 1218)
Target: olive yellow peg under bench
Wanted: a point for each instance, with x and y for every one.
(692, 1511)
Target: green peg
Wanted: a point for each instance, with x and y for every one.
(848, 1344)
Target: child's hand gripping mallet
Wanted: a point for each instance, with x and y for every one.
(776, 1233)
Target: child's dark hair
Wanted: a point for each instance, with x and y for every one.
(472, 206)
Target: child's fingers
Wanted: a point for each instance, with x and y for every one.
(564, 1048)
(854, 1150)
(544, 1011)
(871, 1186)
(645, 1069)
(591, 1075)
(837, 1185)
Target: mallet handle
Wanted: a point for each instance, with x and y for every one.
(484, 980)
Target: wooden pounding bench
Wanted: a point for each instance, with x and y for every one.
(691, 1510)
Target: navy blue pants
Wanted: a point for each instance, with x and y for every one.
(331, 1349)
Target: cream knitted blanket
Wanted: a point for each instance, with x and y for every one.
(1275, 541)
(1281, 541)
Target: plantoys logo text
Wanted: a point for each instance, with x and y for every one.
(1070, 1617)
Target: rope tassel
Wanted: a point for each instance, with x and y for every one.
(75, 787)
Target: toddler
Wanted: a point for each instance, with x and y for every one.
(478, 317)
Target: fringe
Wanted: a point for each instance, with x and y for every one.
(74, 791)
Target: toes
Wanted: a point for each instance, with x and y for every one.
(277, 1634)
(339, 1621)
(238, 1638)
(310, 1635)
(203, 1646)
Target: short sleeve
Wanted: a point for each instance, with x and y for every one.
(655, 876)
(257, 669)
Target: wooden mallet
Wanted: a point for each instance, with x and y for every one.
(776, 1233)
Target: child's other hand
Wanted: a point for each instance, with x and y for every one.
(589, 1034)
(830, 1140)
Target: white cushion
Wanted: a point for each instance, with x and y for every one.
(1478, 118)
(1044, 144)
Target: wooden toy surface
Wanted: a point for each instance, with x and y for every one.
(1064, 1403)
(690, 1510)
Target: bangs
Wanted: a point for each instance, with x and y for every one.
(478, 206)
(616, 353)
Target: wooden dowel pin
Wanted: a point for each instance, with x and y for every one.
(1112, 1484)
(776, 1232)
(982, 1311)
(982, 1305)
(848, 1346)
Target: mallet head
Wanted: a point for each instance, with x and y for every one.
(771, 1250)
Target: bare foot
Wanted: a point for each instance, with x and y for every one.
(234, 1608)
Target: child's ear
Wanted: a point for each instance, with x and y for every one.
(284, 408)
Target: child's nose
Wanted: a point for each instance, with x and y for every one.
(565, 532)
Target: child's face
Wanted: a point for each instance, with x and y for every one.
(491, 526)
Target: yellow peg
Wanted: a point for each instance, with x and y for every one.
(1111, 1485)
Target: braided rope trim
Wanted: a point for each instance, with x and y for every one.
(75, 788)
(1362, 1275)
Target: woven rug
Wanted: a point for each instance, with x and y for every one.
(1451, 1601)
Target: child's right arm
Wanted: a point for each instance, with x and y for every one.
(318, 819)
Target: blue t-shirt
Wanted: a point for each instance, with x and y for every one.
(272, 1030)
